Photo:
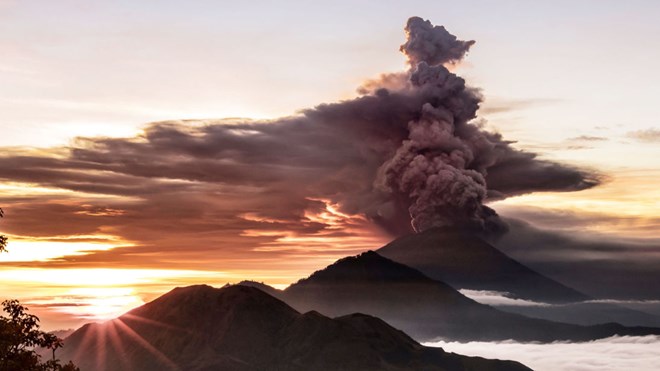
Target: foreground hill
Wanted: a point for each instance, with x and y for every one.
(465, 261)
(422, 307)
(243, 328)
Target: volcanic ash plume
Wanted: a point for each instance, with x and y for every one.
(436, 167)
(430, 169)
(404, 154)
(432, 44)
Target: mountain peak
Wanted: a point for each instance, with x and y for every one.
(195, 307)
(466, 261)
(261, 286)
(366, 267)
(426, 308)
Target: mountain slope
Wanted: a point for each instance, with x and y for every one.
(243, 328)
(425, 308)
(465, 261)
(585, 313)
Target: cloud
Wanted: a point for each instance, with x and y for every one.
(651, 135)
(497, 298)
(505, 299)
(610, 354)
(600, 265)
(588, 138)
(495, 105)
(573, 221)
(588, 312)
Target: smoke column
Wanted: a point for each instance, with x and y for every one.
(441, 167)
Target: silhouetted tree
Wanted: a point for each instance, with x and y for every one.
(3, 238)
(20, 337)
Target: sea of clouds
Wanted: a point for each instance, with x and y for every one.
(640, 353)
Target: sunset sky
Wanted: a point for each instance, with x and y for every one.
(105, 211)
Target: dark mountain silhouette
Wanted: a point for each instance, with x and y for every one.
(425, 308)
(243, 328)
(465, 261)
(270, 290)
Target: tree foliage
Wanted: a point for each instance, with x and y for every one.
(20, 338)
(3, 238)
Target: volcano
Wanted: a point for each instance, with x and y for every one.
(242, 328)
(464, 260)
(425, 308)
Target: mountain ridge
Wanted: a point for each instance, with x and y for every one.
(425, 308)
(237, 327)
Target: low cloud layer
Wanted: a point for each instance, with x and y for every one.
(588, 312)
(497, 298)
(610, 354)
(403, 155)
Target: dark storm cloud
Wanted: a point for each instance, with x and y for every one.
(405, 150)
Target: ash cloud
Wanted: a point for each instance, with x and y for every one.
(405, 154)
(432, 44)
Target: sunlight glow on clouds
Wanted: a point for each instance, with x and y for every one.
(70, 297)
(23, 189)
(342, 232)
(628, 204)
(95, 304)
(97, 276)
(26, 250)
